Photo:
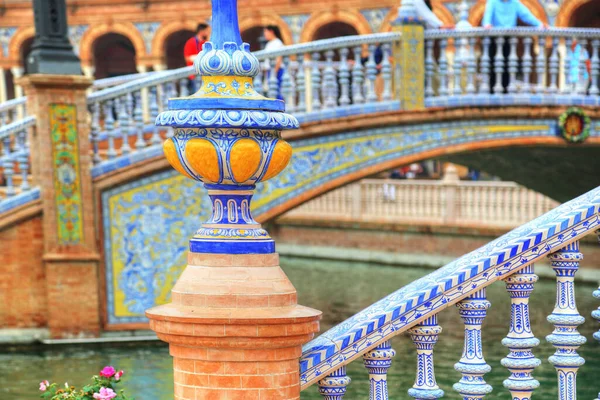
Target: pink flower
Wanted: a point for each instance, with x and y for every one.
(118, 375)
(107, 372)
(44, 385)
(105, 394)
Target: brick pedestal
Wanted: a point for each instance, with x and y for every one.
(61, 163)
(235, 329)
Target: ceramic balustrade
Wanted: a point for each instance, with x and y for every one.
(14, 155)
(477, 203)
(514, 66)
(414, 310)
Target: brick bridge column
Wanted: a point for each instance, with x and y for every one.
(61, 165)
(233, 326)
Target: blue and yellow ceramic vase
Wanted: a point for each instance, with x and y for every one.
(228, 136)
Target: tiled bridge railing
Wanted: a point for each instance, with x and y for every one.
(503, 205)
(413, 310)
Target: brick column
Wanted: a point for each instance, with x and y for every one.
(61, 165)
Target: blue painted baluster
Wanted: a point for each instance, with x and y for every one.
(457, 66)
(513, 64)
(109, 128)
(371, 74)
(540, 65)
(344, 72)
(258, 81)
(527, 65)
(386, 71)
(301, 84)
(429, 67)
(425, 336)
(565, 317)
(124, 126)
(520, 339)
(484, 86)
(582, 84)
(357, 77)
(472, 365)
(273, 83)
(554, 67)
(169, 92)
(183, 88)
(334, 386)
(138, 117)
(443, 67)
(8, 167)
(155, 138)
(95, 132)
(23, 159)
(595, 65)
(471, 66)
(287, 86)
(499, 65)
(568, 87)
(377, 362)
(315, 77)
(596, 313)
(329, 81)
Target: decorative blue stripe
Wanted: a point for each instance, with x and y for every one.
(231, 247)
(195, 103)
(19, 200)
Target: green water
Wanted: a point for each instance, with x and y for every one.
(339, 290)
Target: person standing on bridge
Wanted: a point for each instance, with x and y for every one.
(505, 14)
(272, 34)
(191, 49)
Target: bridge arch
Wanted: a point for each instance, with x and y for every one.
(16, 45)
(572, 10)
(163, 39)
(320, 19)
(89, 38)
(477, 10)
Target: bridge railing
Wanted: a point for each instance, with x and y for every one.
(438, 202)
(413, 309)
(513, 66)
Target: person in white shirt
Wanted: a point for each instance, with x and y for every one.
(272, 34)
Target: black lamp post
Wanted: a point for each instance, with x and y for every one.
(51, 52)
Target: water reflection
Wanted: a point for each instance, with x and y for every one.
(339, 290)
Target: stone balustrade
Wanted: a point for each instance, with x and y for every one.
(490, 204)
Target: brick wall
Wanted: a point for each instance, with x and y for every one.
(22, 277)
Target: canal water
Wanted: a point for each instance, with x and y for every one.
(339, 289)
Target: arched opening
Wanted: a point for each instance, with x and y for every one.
(114, 55)
(174, 48)
(333, 30)
(586, 15)
(24, 53)
(254, 37)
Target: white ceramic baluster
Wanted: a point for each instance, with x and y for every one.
(109, 128)
(8, 167)
(443, 68)
(513, 64)
(287, 86)
(527, 65)
(471, 66)
(95, 131)
(357, 77)
(386, 71)
(138, 117)
(472, 365)
(301, 84)
(315, 77)
(429, 68)
(258, 81)
(499, 65)
(582, 84)
(595, 66)
(183, 87)
(23, 159)
(371, 74)
(540, 63)
(171, 91)
(554, 67)
(484, 86)
(569, 87)
(565, 317)
(329, 81)
(124, 124)
(457, 66)
(596, 313)
(425, 336)
(273, 83)
(333, 387)
(520, 339)
(155, 139)
(344, 72)
(377, 362)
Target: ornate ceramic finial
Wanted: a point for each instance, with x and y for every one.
(228, 136)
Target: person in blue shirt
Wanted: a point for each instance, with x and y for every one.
(505, 14)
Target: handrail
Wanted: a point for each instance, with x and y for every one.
(16, 126)
(584, 33)
(421, 300)
(13, 103)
